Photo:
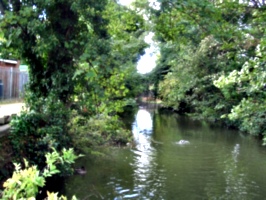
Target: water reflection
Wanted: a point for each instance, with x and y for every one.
(148, 179)
(237, 182)
(142, 130)
(217, 164)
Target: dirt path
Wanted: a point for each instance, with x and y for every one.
(9, 109)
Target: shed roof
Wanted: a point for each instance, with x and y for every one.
(8, 61)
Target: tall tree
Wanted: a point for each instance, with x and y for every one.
(52, 36)
(200, 40)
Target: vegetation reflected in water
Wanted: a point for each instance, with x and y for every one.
(217, 164)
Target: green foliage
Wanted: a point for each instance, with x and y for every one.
(38, 39)
(56, 40)
(249, 84)
(212, 60)
(96, 131)
(81, 57)
(37, 130)
(25, 183)
(98, 94)
(103, 83)
(188, 87)
(251, 115)
(76, 48)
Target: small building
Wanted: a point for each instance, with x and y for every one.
(12, 81)
(9, 63)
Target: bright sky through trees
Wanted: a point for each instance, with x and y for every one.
(125, 2)
(148, 61)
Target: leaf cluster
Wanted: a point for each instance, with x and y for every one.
(212, 60)
(41, 127)
(98, 131)
(25, 183)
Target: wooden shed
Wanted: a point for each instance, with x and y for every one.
(9, 79)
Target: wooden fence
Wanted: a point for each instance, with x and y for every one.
(12, 83)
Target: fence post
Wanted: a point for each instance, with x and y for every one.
(11, 82)
(1, 90)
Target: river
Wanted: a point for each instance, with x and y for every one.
(216, 164)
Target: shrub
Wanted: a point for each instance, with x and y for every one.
(43, 127)
(25, 183)
(98, 130)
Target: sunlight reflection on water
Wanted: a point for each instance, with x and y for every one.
(143, 121)
(144, 164)
(218, 164)
(142, 128)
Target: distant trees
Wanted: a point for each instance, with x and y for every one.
(212, 60)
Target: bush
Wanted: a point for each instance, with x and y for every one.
(98, 130)
(25, 183)
(41, 128)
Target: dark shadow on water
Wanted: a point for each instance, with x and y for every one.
(53, 184)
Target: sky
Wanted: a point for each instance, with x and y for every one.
(125, 2)
(148, 61)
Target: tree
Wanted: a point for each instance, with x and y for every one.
(72, 44)
(104, 83)
(51, 37)
(201, 41)
(248, 84)
(79, 58)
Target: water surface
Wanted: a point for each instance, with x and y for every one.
(217, 164)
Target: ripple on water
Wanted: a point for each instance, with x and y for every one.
(131, 196)
(212, 166)
(123, 191)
